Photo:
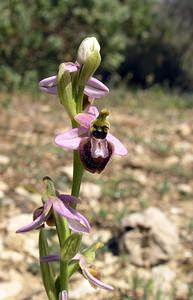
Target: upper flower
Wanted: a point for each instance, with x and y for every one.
(92, 139)
(94, 88)
(61, 204)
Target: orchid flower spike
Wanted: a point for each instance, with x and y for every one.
(92, 139)
(61, 204)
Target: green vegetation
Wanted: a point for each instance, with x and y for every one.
(143, 41)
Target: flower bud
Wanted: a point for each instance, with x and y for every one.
(86, 48)
(64, 86)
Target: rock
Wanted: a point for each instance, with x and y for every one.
(3, 186)
(163, 278)
(4, 160)
(10, 289)
(68, 171)
(18, 221)
(140, 177)
(21, 191)
(187, 159)
(149, 237)
(2, 194)
(185, 189)
(182, 291)
(90, 190)
(82, 289)
(13, 256)
(31, 244)
(184, 129)
(171, 160)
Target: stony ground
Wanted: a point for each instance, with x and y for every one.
(157, 173)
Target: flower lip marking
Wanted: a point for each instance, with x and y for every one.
(99, 128)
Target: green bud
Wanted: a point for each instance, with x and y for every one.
(86, 48)
(70, 247)
(64, 85)
(49, 188)
(89, 67)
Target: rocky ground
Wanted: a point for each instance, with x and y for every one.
(140, 206)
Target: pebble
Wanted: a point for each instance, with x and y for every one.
(68, 171)
(91, 190)
(3, 186)
(184, 189)
(4, 160)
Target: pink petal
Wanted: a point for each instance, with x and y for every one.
(49, 84)
(70, 200)
(50, 258)
(63, 295)
(95, 88)
(33, 225)
(71, 139)
(76, 226)
(63, 210)
(71, 67)
(84, 119)
(92, 110)
(39, 220)
(81, 225)
(90, 277)
(119, 148)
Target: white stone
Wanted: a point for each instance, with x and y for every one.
(184, 188)
(10, 289)
(12, 256)
(3, 186)
(68, 171)
(18, 221)
(90, 190)
(4, 160)
(150, 237)
(163, 277)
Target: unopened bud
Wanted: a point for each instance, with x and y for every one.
(86, 48)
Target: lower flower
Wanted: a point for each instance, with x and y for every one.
(89, 273)
(92, 139)
(60, 204)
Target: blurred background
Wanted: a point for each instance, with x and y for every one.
(141, 206)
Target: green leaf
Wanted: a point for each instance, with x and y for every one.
(47, 270)
(71, 247)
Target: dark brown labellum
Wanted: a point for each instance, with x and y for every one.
(95, 154)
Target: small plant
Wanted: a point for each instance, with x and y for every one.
(93, 147)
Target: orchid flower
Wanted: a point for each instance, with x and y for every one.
(61, 205)
(89, 273)
(92, 139)
(94, 87)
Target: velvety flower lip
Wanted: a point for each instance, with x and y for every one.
(94, 87)
(63, 295)
(84, 268)
(72, 138)
(76, 221)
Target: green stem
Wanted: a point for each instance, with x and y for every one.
(77, 174)
(63, 233)
(79, 104)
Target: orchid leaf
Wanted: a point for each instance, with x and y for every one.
(47, 270)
